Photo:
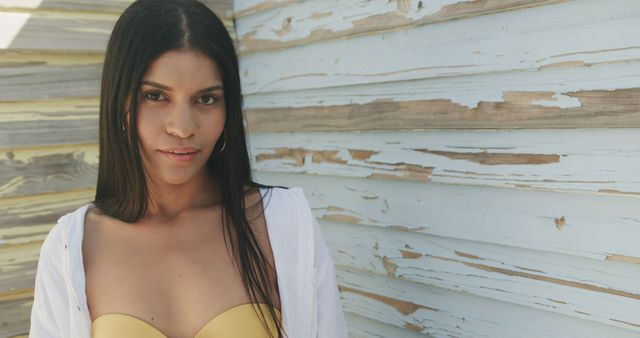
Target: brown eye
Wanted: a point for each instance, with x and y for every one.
(154, 96)
(207, 99)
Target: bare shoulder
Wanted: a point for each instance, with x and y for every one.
(99, 231)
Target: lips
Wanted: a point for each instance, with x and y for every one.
(180, 150)
(181, 154)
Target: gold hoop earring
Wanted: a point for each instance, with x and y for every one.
(225, 141)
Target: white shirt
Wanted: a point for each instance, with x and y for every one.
(309, 296)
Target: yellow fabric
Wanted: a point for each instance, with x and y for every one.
(239, 322)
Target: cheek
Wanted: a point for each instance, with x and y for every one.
(147, 126)
(217, 125)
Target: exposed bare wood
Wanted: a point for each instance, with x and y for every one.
(487, 44)
(459, 314)
(598, 108)
(44, 170)
(499, 217)
(61, 31)
(331, 20)
(222, 7)
(587, 160)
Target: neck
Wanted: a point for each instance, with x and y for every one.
(168, 201)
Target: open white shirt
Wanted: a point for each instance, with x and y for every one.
(309, 296)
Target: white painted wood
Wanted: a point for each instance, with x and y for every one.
(332, 15)
(586, 31)
(308, 21)
(408, 231)
(442, 313)
(580, 288)
(597, 227)
(246, 7)
(589, 160)
(460, 233)
(363, 327)
(467, 91)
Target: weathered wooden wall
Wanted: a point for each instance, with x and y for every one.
(475, 165)
(51, 54)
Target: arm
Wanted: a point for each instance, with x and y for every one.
(49, 296)
(331, 321)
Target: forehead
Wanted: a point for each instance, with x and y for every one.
(184, 68)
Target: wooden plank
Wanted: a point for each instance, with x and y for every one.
(576, 32)
(30, 171)
(48, 133)
(596, 227)
(115, 6)
(48, 122)
(362, 327)
(248, 7)
(224, 7)
(442, 313)
(81, 32)
(586, 160)
(36, 210)
(599, 291)
(24, 223)
(312, 21)
(42, 81)
(61, 31)
(16, 318)
(568, 97)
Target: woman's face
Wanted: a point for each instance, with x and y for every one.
(181, 110)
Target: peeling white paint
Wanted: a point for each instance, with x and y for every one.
(589, 160)
(467, 91)
(561, 101)
(307, 17)
(520, 40)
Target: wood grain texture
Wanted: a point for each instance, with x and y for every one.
(451, 237)
(556, 35)
(51, 55)
(222, 7)
(35, 210)
(582, 288)
(46, 170)
(15, 315)
(24, 223)
(62, 31)
(363, 327)
(596, 96)
(585, 160)
(288, 24)
(248, 7)
(442, 313)
(407, 232)
(597, 227)
(40, 133)
(32, 81)
(48, 122)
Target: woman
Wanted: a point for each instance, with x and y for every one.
(178, 241)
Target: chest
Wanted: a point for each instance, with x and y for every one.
(176, 281)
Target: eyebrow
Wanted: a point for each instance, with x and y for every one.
(165, 87)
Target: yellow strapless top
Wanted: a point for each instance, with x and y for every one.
(239, 322)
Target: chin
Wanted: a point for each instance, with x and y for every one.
(177, 179)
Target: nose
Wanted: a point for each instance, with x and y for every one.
(181, 121)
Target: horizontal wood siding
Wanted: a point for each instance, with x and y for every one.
(473, 164)
(51, 54)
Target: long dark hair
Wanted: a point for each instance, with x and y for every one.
(144, 31)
